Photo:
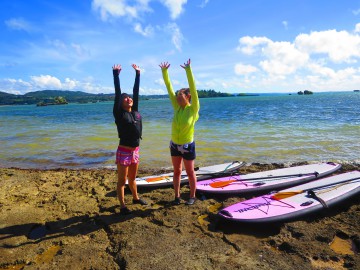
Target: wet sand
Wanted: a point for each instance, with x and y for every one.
(69, 219)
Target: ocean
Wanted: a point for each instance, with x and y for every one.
(256, 129)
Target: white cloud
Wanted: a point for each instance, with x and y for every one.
(159, 81)
(326, 79)
(14, 86)
(69, 84)
(241, 69)
(338, 46)
(19, 24)
(60, 50)
(330, 74)
(282, 58)
(176, 35)
(146, 32)
(58, 44)
(321, 70)
(176, 82)
(79, 50)
(357, 28)
(119, 8)
(152, 91)
(115, 8)
(356, 12)
(225, 85)
(285, 24)
(312, 53)
(249, 45)
(175, 7)
(46, 82)
(204, 3)
(89, 87)
(110, 9)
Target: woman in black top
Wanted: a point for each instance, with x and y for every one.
(129, 126)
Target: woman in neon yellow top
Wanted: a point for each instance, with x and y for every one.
(182, 145)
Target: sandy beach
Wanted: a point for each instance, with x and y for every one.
(69, 219)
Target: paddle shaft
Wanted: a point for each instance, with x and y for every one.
(220, 184)
(329, 185)
(287, 194)
(278, 176)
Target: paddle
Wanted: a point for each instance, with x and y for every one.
(220, 184)
(285, 194)
(159, 178)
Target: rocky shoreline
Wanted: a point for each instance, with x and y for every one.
(69, 219)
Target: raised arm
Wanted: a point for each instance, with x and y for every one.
(116, 73)
(194, 95)
(136, 88)
(164, 69)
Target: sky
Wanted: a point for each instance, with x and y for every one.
(235, 46)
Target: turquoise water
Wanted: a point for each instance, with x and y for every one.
(264, 129)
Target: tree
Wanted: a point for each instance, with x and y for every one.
(60, 100)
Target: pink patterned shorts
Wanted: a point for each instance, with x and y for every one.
(126, 157)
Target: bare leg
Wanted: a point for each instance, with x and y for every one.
(189, 167)
(133, 168)
(177, 164)
(122, 174)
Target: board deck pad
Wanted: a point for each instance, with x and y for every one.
(268, 180)
(166, 179)
(266, 208)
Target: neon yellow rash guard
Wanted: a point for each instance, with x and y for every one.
(183, 124)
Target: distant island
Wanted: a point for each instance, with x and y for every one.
(62, 97)
(247, 95)
(52, 97)
(57, 101)
(306, 92)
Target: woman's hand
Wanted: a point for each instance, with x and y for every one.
(164, 65)
(116, 68)
(187, 64)
(137, 68)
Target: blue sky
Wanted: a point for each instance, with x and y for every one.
(234, 45)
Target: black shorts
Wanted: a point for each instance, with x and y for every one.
(187, 151)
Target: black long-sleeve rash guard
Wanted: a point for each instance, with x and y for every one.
(129, 124)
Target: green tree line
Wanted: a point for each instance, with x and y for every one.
(62, 97)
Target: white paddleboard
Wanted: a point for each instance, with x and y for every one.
(266, 180)
(296, 201)
(166, 179)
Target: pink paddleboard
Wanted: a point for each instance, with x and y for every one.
(331, 190)
(268, 180)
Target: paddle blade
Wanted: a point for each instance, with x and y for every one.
(221, 184)
(154, 179)
(286, 194)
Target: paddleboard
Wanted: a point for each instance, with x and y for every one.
(266, 180)
(201, 173)
(277, 207)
